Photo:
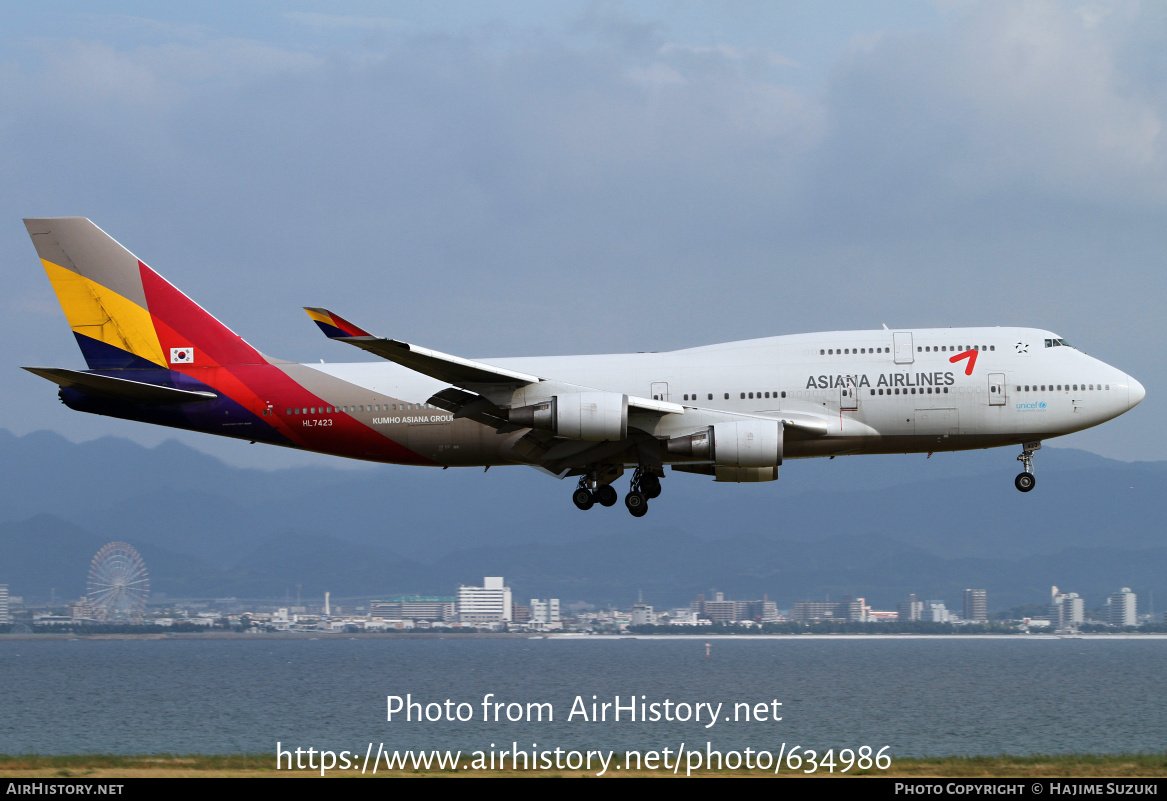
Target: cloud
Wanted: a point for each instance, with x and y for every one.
(341, 22)
(1015, 98)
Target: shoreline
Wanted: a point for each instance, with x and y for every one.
(571, 636)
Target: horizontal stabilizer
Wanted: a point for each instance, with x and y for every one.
(120, 388)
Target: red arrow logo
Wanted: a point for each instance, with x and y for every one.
(971, 355)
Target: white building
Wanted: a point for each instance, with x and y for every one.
(490, 603)
(936, 612)
(1122, 608)
(642, 614)
(545, 613)
(4, 616)
(1067, 610)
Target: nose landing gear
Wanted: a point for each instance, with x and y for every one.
(1025, 481)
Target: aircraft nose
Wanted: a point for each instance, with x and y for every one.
(1135, 392)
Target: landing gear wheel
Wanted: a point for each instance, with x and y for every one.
(583, 498)
(1026, 480)
(637, 503)
(650, 485)
(607, 495)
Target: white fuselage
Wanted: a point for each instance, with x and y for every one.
(879, 391)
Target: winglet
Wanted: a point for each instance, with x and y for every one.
(333, 325)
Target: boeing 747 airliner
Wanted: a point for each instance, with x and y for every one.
(731, 411)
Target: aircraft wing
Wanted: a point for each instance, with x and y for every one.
(453, 370)
(442, 366)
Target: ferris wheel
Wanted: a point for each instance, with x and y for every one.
(118, 584)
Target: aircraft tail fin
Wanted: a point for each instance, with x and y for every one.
(123, 314)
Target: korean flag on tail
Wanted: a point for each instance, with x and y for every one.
(181, 355)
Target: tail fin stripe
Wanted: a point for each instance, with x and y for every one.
(104, 317)
(193, 324)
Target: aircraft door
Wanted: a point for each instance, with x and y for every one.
(904, 351)
(659, 390)
(996, 389)
(849, 398)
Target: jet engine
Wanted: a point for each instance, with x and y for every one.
(743, 444)
(588, 416)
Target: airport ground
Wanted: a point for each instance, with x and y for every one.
(107, 767)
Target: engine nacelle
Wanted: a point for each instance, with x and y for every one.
(588, 416)
(745, 475)
(744, 444)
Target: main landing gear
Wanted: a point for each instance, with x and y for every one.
(584, 498)
(645, 486)
(1026, 481)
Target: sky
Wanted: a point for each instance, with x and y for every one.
(525, 178)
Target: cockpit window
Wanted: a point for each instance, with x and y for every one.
(1057, 343)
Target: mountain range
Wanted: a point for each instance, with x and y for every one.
(876, 527)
